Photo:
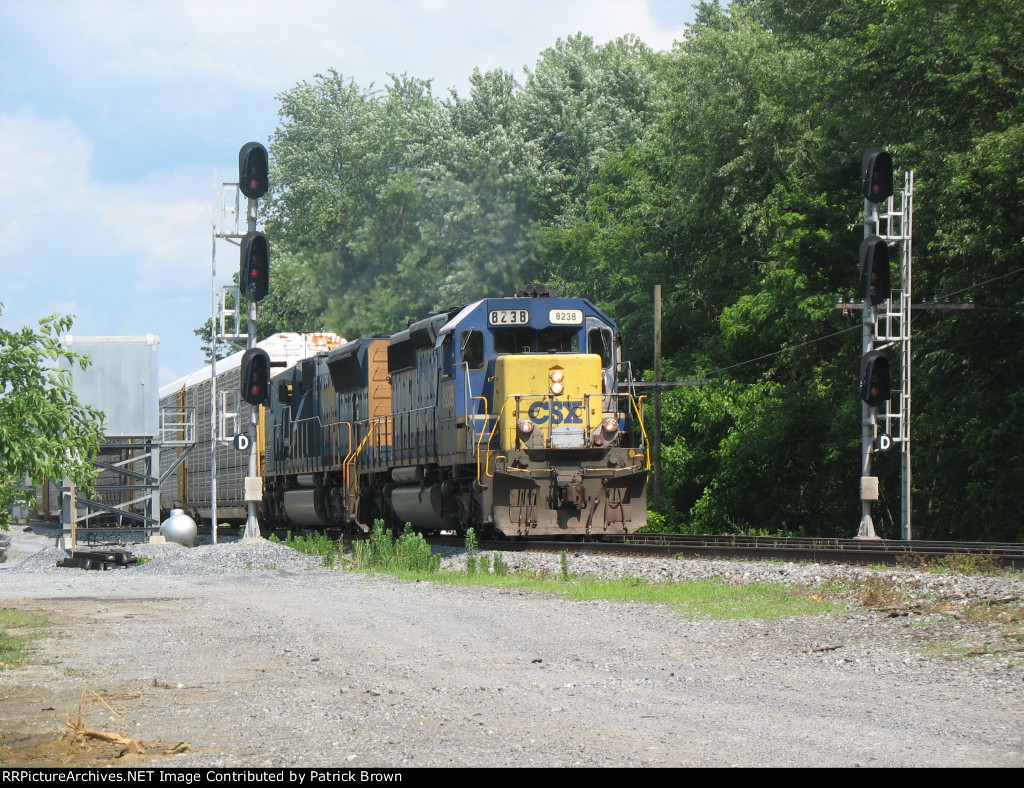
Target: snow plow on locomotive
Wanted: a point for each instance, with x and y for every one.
(507, 415)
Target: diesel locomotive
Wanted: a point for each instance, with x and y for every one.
(514, 416)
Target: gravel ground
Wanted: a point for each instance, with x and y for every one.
(256, 656)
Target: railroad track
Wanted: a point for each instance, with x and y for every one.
(822, 550)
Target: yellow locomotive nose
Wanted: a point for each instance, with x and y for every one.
(548, 400)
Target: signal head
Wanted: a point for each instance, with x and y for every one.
(253, 170)
(876, 175)
(254, 268)
(255, 376)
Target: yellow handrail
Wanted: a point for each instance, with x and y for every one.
(490, 437)
(638, 406)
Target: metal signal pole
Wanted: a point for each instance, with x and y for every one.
(253, 482)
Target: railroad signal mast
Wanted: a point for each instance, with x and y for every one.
(885, 408)
(253, 285)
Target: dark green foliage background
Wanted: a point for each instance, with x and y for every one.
(726, 170)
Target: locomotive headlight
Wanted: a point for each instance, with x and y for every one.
(525, 426)
(556, 388)
(610, 426)
(556, 376)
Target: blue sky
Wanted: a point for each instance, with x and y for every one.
(114, 115)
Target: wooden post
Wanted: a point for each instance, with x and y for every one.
(656, 432)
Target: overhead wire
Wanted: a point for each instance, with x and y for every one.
(707, 375)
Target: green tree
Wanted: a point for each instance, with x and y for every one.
(44, 430)
(479, 173)
(742, 200)
(346, 202)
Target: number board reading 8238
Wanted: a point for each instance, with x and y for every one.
(508, 317)
(565, 317)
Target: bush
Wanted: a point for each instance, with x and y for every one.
(409, 553)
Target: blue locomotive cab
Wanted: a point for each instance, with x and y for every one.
(550, 362)
(529, 391)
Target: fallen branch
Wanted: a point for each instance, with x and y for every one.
(81, 732)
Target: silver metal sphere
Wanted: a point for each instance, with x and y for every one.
(179, 527)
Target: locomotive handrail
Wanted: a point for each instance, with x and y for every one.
(490, 437)
(344, 469)
(304, 435)
(471, 417)
(346, 465)
(638, 406)
(373, 425)
(330, 440)
(474, 416)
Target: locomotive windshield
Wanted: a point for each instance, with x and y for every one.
(523, 339)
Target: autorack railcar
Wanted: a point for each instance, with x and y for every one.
(188, 488)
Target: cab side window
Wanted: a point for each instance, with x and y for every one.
(599, 342)
(447, 360)
(472, 345)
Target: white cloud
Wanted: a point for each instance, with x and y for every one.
(114, 112)
(52, 194)
(121, 257)
(43, 162)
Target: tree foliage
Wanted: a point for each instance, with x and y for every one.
(770, 106)
(727, 171)
(44, 430)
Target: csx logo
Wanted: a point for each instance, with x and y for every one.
(556, 412)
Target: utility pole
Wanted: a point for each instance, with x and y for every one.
(656, 433)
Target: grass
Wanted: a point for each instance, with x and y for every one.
(409, 557)
(699, 599)
(14, 641)
(986, 565)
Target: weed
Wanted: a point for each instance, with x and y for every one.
(472, 551)
(500, 567)
(14, 641)
(565, 566)
(409, 553)
(878, 592)
(142, 560)
(317, 544)
(957, 563)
